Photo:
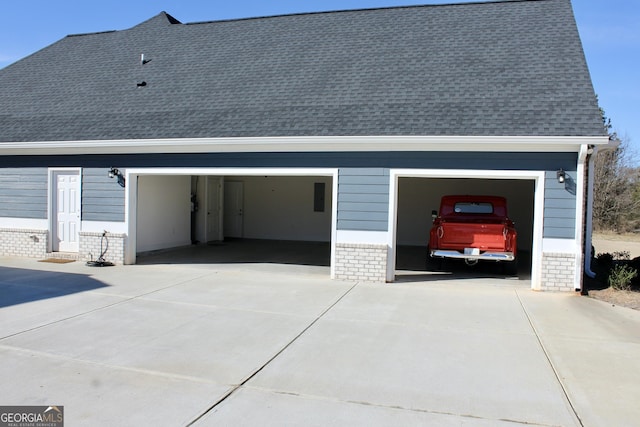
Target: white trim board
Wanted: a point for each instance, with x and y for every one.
(52, 193)
(131, 191)
(102, 226)
(561, 246)
(24, 223)
(362, 237)
(537, 176)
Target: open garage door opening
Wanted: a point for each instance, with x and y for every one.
(220, 219)
(418, 197)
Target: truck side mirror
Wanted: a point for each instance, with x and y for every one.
(434, 214)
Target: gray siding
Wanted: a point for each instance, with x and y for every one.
(559, 206)
(102, 197)
(363, 199)
(23, 193)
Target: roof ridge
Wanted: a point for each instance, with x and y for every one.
(163, 15)
(366, 9)
(91, 34)
(159, 19)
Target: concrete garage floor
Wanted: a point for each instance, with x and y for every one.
(273, 345)
(410, 262)
(250, 251)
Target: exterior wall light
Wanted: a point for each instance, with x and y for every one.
(561, 175)
(115, 173)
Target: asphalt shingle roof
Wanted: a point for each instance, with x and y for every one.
(507, 68)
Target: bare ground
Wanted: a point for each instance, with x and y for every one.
(629, 299)
(610, 243)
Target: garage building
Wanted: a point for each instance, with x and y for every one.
(339, 127)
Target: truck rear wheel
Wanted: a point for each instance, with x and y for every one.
(433, 263)
(510, 268)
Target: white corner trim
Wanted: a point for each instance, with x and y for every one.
(305, 144)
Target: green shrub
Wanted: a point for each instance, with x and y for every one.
(620, 277)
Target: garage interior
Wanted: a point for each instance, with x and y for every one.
(214, 219)
(419, 196)
(234, 219)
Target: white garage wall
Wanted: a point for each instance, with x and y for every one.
(417, 197)
(164, 212)
(281, 208)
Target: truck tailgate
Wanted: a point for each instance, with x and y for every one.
(484, 236)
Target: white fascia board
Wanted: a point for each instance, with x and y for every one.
(305, 144)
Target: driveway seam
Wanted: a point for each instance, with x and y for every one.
(124, 300)
(65, 358)
(394, 407)
(268, 362)
(548, 358)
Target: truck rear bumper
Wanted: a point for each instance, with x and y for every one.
(473, 254)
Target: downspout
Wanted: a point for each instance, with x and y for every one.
(589, 213)
(592, 152)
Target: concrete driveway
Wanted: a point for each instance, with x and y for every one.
(260, 344)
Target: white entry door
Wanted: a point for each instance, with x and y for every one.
(233, 208)
(214, 209)
(66, 211)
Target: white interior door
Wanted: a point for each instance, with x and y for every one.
(66, 211)
(233, 208)
(214, 209)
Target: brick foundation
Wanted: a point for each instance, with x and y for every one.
(559, 272)
(364, 262)
(23, 243)
(90, 248)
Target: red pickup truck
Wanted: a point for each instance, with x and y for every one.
(473, 228)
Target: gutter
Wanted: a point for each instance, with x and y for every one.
(305, 144)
